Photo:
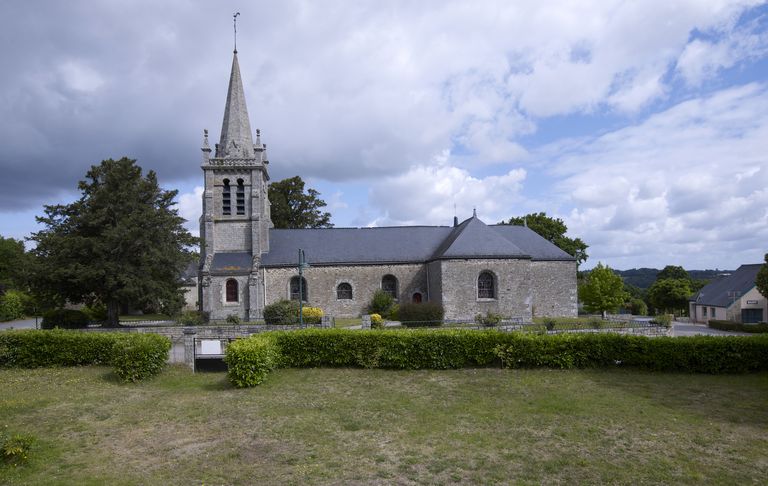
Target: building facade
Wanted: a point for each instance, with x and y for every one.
(731, 298)
(469, 268)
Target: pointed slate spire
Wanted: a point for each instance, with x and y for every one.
(236, 139)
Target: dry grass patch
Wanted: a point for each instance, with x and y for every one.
(333, 426)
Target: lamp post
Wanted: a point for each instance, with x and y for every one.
(302, 265)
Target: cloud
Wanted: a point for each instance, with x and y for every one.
(678, 186)
(190, 207)
(427, 194)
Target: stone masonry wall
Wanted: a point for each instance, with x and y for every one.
(219, 307)
(364, 279)
(512, 284)
(553, 286)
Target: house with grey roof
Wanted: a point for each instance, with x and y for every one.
(731, 298)
(246, 263)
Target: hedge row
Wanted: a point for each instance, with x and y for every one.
(251, 359)
(738, 326)
(133, 356)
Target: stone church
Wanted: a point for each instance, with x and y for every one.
(246, 263)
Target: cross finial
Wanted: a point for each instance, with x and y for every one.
(234, 24)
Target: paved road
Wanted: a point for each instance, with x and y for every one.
(20, 324)
(686, 329)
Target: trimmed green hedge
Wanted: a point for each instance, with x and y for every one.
(738, 326)
(134, 356)
(421, 315)
(249, 361)
(140, 356)
(451, 349)
(282, 312)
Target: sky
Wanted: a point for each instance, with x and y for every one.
(643, 125)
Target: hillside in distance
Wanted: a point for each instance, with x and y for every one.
(644, 277)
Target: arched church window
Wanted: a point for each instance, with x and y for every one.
(299, 287)
(486, 288)
(389, 285)
(226, 199)
(240, 197)
(344, 291)
(232, 290)
(416, 298)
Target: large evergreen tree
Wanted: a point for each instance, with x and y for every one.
(291, 207)
(13, 264)
(553, 229)
(121, 242)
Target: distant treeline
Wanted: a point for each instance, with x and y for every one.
(644, 277)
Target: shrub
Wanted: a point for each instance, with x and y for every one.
(250, 360)
(233, 319)
(135, 356)
(377, 322)
(312, 315)
(192, 318)
(282, 312)
(664, 320)
(65, 319)
(393, 314)
(461, 348)
(738, 326)
(96, 312)
(424, 314)
(140, 356)
(381, 302)
(15, 448)
(12, 305)
(489, 319)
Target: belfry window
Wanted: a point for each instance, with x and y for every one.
(344, 291)
(240, 197)
(226, 199)
(485, 286)
(232, 291)
(298, 287)
(389, 285)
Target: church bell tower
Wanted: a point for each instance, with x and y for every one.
(235, 222)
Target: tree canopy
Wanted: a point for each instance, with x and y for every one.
(13, 264)
(670, 294)
(762, 278)
(553, 229)
(673, 271)
(121, 242)
(291, 207)
(603, 290)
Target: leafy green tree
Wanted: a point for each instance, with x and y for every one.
(603, 290)
(762, 278)
(636, 306)
(291, 207)
(122, 241)
(673, 271)
(670, 294)
(553, 229)
(14, 264)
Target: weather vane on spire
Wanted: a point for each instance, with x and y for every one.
(234, 24)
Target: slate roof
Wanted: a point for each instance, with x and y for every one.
(716, 293)
(231, 263)
(407, 244)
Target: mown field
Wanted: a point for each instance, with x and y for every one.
(318, 426)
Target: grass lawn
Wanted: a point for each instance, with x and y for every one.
(377, 426)
(348, 322)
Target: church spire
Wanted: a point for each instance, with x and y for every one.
(236, 139)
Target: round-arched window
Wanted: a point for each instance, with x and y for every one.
(389, 285)
(299, 287)
(231, 291)
(344, 291)
(486, 288)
